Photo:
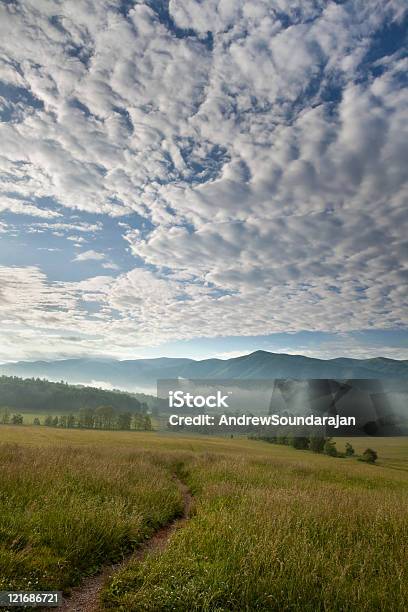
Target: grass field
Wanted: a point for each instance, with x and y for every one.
(65, 510)
(272, 528)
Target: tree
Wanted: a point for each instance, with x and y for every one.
(63, 421)
(270, 439)
(316, 444)
(330, 448)
(349, 450)
(369, 455)
(48, 420)
(98, 420)
(104, 417)
(17, 419)
(138, 421)
(36, 395)
(147, 425)
(86, 418)
(5, 417)
(36, 421)
(124, 420)
(55, 421)
(70, 420)
(300, 442)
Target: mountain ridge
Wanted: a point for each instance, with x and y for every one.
(135, 374)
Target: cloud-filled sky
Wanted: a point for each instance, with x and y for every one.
(203, 178)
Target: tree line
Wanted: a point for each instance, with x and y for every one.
(320, 444)
(103, 417)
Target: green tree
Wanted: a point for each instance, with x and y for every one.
(71, 421)
(17, 419)
(330, 448)
(300, 442)
(270, 439)
(349, 450)
(37, 396)
(369, 455)
(55, 421)
(48, 420)
(147, 423)
(98, 419)
(36, 421)
(124, 420)
(316, 444)
(104, 417)
(138, 422)
(86, 418)
(5, 417)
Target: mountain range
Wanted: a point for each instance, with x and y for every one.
(142, 374)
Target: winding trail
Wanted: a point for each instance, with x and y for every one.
(85, 598)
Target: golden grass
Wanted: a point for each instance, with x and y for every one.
(272, 533)
(66, 510)
(272, 528)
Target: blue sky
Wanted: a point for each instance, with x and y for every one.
(203, 179)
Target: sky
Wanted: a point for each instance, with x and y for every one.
(186, 178)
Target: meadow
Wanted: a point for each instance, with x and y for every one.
(65, 510)
(271, 527)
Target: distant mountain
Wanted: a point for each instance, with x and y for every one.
(142, 374)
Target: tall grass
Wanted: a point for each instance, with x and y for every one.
(273, 534)
(272, 528)
(66, 510)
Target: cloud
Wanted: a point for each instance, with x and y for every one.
(77, 239)
(27, 296)
(83, 227)
(108, 315)
(89, 256)
(256, 152)
(25, 208)
(230, 354)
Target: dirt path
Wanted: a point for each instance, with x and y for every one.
(85, 598)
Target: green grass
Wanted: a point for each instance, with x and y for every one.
(272, 528)
(64, 511)
(285, 531)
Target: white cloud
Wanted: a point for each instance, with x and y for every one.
(87, 228)
(89, 255)
(25, 208)
(116, 316)
(230, 354)
(269, 160)
(110, 266)
(77, 239)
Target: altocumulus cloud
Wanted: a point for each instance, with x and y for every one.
(89, 255)
(264, 144)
